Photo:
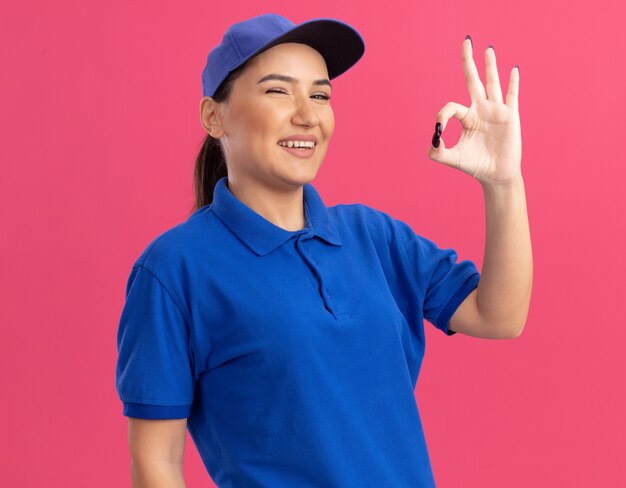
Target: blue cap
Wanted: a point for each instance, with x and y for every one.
(340, 45)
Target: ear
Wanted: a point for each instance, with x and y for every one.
(210, 117)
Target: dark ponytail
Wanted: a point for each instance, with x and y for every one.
(210, 163)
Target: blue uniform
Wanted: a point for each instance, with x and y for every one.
(293, 354)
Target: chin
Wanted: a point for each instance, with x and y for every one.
(305, 178)
(302, 176)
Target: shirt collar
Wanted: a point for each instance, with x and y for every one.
(263, 236)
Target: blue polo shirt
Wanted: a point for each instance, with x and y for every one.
(293, 354)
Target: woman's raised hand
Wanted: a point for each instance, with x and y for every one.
(490, 147)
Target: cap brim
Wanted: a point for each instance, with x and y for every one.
(340, 45)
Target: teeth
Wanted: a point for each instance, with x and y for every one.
(302, 144)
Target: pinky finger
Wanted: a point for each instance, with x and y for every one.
(513, 91)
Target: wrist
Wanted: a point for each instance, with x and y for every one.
(511, 183)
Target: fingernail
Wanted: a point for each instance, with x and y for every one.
(517, 66)
(490, 46)
(435, 141)
(468, 37)
(437, 134)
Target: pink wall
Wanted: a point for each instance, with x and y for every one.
(99, 124)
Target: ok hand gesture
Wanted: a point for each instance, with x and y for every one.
(490, 147)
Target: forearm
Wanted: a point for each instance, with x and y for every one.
(156, 475)
(504, 290)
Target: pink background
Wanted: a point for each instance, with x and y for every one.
(100, 126)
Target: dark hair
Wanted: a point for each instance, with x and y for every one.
(210, 163)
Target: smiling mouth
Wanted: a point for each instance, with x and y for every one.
(299, 152)
(297, 145)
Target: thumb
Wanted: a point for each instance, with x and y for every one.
(441, 154)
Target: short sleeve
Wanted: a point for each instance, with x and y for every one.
(443, 281)
(154, 376)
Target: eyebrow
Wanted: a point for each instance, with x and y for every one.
(291, 79)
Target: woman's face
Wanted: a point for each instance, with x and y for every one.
(263, 110)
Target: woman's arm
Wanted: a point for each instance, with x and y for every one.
(498, 308)
(490, 150)
(156, 449)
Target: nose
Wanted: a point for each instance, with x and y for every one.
(305, 112)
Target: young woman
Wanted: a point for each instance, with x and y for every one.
(286, 335)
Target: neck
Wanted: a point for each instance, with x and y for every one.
(283, 208)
